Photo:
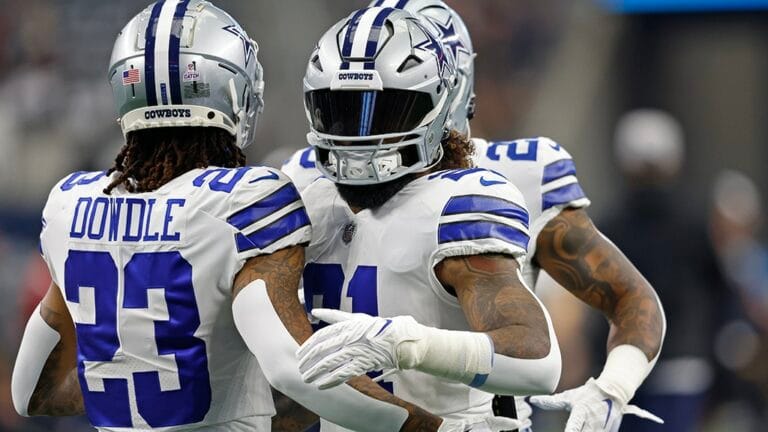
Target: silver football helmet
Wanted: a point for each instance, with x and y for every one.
(187, 63)
(378, 90)
(455, 36)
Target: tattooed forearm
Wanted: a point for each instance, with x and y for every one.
(583, 261)
(291, 417)
(419, 420)
(281, 271)
(58, 392)
(496, 302)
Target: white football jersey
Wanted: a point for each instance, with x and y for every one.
(381, 262)
(540, 168)
(546, 175)
(148, 281)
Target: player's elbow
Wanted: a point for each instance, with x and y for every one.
(545, 373)
(549, 375)
(21, 390)
(552, 364)
(19, 405)
(522, 377)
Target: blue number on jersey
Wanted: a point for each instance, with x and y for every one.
(306, 160)
(98, 342)
(512, 153)
(327, 281)
(79, 179)
(218, 184)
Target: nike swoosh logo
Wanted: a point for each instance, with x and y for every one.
(610, 407)
(270, 176)
(389, 321)
(485, 182)
(555, 146)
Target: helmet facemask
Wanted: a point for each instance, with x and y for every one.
(393, 133)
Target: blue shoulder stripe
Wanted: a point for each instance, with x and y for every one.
(400, 4)
(283, 197)
(477, 230)
(273, 232)
(562, 195)
(486, 204)
(557, 170)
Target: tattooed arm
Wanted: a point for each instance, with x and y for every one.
(57, 392)
(291, 416)
(525, 354)
(496, 302)
(581, 259)
(280, 272)
(587, 264)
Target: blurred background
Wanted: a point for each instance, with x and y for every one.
(663, 105)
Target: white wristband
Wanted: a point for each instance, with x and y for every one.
(36, 345)
(461, 356)
(624, 371)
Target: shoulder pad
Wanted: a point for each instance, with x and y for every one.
(300, 167)
(482, 213)
(262, 205)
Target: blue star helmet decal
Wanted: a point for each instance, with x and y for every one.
(434, 46)
(248, 49)
(449, 37)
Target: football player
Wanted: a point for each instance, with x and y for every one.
(403, 226)
(177, 265)
(563, 241)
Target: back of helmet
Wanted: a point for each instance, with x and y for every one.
(186, 63)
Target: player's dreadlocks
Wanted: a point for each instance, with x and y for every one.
(153, 157)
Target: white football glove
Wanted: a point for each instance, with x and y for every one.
(354, 345)
(592, 409)
(486, 424)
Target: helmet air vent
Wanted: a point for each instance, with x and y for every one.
(316, 63)
(411, 62)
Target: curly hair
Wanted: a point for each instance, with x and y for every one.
(457, 152)
(153, 157)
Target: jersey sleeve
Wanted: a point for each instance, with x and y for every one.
(560, 187)
(267, 214)
(300, 167)
(484, 214)
(50, 219)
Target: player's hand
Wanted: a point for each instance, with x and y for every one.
(487, 424)
(592, 409)
(353, 345)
